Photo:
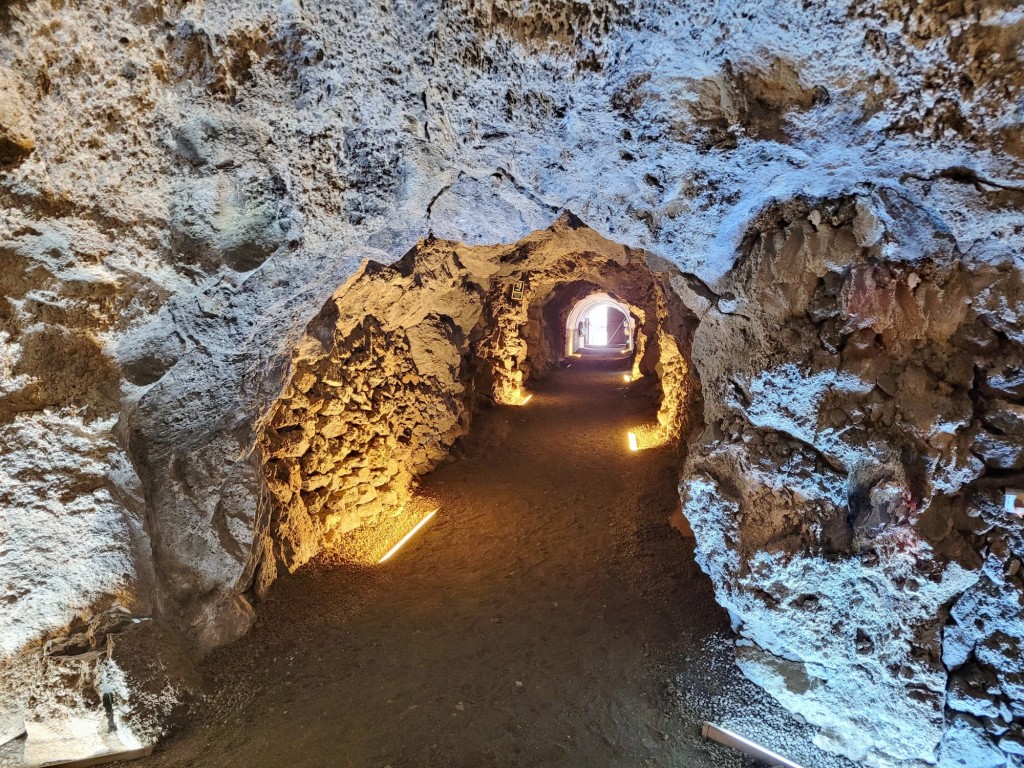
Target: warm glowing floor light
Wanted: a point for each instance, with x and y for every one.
(407, 536)
(526, 399)
(627, 378)
(643, 437)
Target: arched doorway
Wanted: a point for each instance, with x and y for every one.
(599, 321)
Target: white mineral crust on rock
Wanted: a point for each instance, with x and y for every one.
(185, 186)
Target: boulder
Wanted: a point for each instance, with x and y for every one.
(1005, 417)
(999, 451)
(965, 746)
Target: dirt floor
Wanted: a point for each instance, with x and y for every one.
(547, 616)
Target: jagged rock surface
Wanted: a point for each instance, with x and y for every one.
(843, 492)
(184, 186)
(385, 381)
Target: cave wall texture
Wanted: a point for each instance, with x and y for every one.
(387, 376)
(840, 186)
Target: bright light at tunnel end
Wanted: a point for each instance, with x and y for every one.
(407, 536)
(632, 442)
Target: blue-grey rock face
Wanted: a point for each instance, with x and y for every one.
(845, 491)
(184, 187)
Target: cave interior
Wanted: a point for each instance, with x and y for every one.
(512, 382)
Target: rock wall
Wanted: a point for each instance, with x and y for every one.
(378, 395)
(185, 186)
(846, 494)
(389, 372)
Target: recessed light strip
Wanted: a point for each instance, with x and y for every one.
(407, 536)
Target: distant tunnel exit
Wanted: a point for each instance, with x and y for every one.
(599, 321)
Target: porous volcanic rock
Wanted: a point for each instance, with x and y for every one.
(385, 381)
(837, 490)
(837, 187)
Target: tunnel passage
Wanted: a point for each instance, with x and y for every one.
(547, 591)
(599, 321)
(391, 370)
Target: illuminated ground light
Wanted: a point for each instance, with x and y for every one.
(526, 399)
(744, 745)
(627, 378)
(406, 538)
(646, 436)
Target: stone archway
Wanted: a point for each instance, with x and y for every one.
(588, 304)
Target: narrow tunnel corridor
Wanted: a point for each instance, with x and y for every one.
(538, 620)
(684, 338)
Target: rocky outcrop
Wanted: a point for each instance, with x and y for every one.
(851, 456)
(186, 186)
(108, 686)
(378, 394)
